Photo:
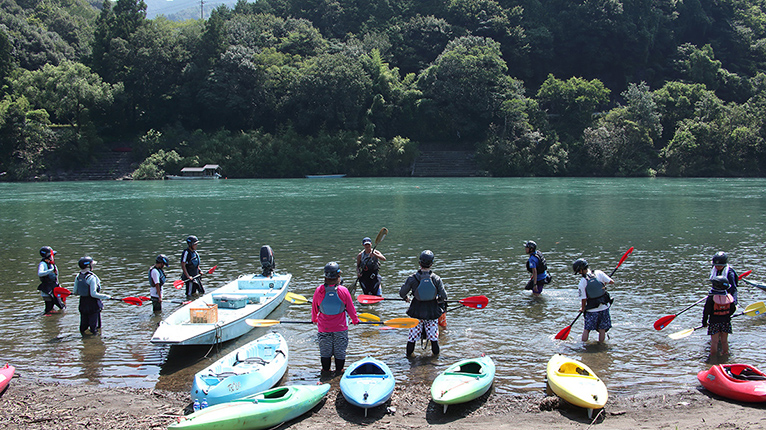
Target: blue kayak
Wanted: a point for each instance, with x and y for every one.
(252, 368)
(367, 383)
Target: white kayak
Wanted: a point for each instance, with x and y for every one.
(247, 370)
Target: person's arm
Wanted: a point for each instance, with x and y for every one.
(359, 265)
(43, 270)
(349, 302)
(93, 283)
(183, 263)
(315, 301)
(707, 311)
(379, 255)
(405, 289)
(154, 281)
(441, 292)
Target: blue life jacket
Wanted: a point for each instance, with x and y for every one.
(596, 292)
(162, 276)
(331, 303)
(426, 290)
(81, 287)
(541, 266)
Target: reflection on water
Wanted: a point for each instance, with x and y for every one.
(475, 226)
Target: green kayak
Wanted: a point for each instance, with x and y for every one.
(259, 411)
(463, 381)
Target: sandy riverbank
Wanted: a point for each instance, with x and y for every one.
(29, 405)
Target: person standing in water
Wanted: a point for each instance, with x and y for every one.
(49, 279)
(428, 296)
(367, 266)
(156, 281)
(537, 267)
(721, 268)
(190, 266)
(718, 310)
(595, 301)
(88, 287)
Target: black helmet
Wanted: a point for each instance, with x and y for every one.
(332, 270)
(162, 259)
(579, 265)
(86, 262)
(531, 245)
(720, 258)
(426, 258)
(719, 282)
(191, 240)
(47, 251)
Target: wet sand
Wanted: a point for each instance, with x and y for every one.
(29, 405)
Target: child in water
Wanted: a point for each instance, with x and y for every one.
(718, 310)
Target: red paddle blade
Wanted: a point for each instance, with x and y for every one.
(178, 284)
(144, 298)
(563, 334)
(133, 301)
(476, 302)
(744, 274)
(368, 299)
(212, 269)
(663, 322)
(61, 292)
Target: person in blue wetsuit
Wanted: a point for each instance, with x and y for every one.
(721, 268)
(49, 279)
(428, 302)
(156, 281)
(537, 267)
(88, 287)
(190, 266)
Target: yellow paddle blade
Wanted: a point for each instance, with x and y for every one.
(402, 322)
(381, 235)
(681, 334)
(261, 323)
(296, 298)
(368, 317)
(754, 309)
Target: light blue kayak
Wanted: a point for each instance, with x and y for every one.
(247, 370)
(463, 381)
(367, 383)
(260, 411)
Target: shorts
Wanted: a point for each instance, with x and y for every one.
(600, 320)
(721, 327)
(431, 327)
(333, 344)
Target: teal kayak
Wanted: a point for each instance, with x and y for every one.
(463, 381)
(259, 411)
(367, 383)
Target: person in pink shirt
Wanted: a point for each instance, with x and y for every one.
(330, 304)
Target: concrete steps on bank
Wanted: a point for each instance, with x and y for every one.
(437, 163)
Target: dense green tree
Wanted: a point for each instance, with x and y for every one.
(418, 42)
(571, 104)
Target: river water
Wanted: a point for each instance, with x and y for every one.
(475, 226)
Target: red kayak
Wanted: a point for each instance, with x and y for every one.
(6, 373)
(735, 381)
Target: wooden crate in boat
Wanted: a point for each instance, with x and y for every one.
(204, 315)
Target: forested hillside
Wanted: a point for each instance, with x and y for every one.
(283, 88)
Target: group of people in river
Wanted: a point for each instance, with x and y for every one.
(333, 305)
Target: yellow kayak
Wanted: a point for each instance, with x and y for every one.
(576, 383)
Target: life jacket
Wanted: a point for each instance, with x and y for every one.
(49, 281)
(162, 276)
(596, 292)
(541, 266)
(722, 303)
(81, 286)
(369, 262)
(425, 290)
(331, 303)
(191, 262)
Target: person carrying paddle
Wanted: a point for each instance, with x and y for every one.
(719, 308)
(367, 265)
(329, 307)
(594, 299)
(88, 287)
(537, 268)
(429, 296)
(722, 268)
(156, 281)
(49, 279)
(191, 270)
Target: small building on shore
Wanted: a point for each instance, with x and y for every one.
(208, 171)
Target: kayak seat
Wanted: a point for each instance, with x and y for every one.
(368, 369)
(243, 358)
(275, 394)
(746, 374)
(471, 367)
(572, 368)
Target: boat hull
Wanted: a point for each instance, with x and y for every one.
(464, 381)
(740, 382)
(576, 383)
(260, 411)
(6, 373)
(367, 383)
(247, 370)
(264, 294)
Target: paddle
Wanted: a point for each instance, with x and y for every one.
(61, 292)
(751, 283)
(296, 298)
(364, 316)
(64, 293)
(180, 302)
(476, 302)
(667, 319)
(379, 238)
(394, 322)
(754, 309)
(180, 282)
(131, 300)
(368, 299)
(564, 333)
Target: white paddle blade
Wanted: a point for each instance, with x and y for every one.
(681, 334)
(261, 323)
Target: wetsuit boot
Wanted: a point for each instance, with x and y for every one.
(435, 347)
(410, 348)
(326, 362)
(339, 366)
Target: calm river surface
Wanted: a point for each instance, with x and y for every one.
(475, 226)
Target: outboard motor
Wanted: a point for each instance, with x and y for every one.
(267, 261)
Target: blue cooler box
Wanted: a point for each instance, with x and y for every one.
(230, 301)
